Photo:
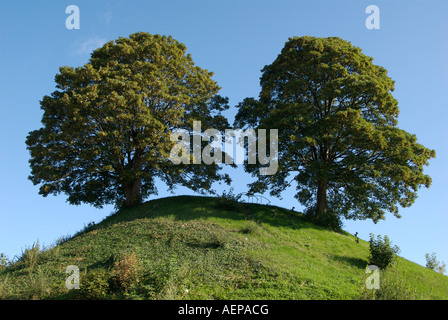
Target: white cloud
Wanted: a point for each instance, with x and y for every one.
(106, 16)
(87, 46)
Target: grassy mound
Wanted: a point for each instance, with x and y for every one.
(189, 248)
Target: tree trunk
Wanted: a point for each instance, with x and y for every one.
(133, 192)
(321, 207)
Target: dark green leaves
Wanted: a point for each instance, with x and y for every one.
(337, 122)
(106, 129)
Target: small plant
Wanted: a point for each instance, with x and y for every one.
(382, 253)
(229, 201)
(441, 268)
(4, 261)
(433, 264)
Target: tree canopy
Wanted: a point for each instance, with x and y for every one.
(106, 129)
(338, 137)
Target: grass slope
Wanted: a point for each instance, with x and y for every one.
(185, 247)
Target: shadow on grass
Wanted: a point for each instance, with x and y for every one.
(187, 208)
(356, 262)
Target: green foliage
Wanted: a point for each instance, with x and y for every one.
(433, 264)
(382, 253)
(337, 128)
(4, 261)
(94, 285)
(229, 201)
(106, 129)
(393, 286)
(38, 285)
(431, 261)
(6, 287)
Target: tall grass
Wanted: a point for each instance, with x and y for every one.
(30, 256)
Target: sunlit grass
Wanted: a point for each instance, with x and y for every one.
(188, 248)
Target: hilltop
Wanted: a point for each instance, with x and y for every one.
(187, 247)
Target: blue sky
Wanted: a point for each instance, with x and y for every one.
(234, 39)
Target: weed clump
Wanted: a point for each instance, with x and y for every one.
(125, 273)
(30, 256)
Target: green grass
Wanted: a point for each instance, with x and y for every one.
(188, 248)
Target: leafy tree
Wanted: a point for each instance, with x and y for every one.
(433, 264)
(338, 134)
(106, 129)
